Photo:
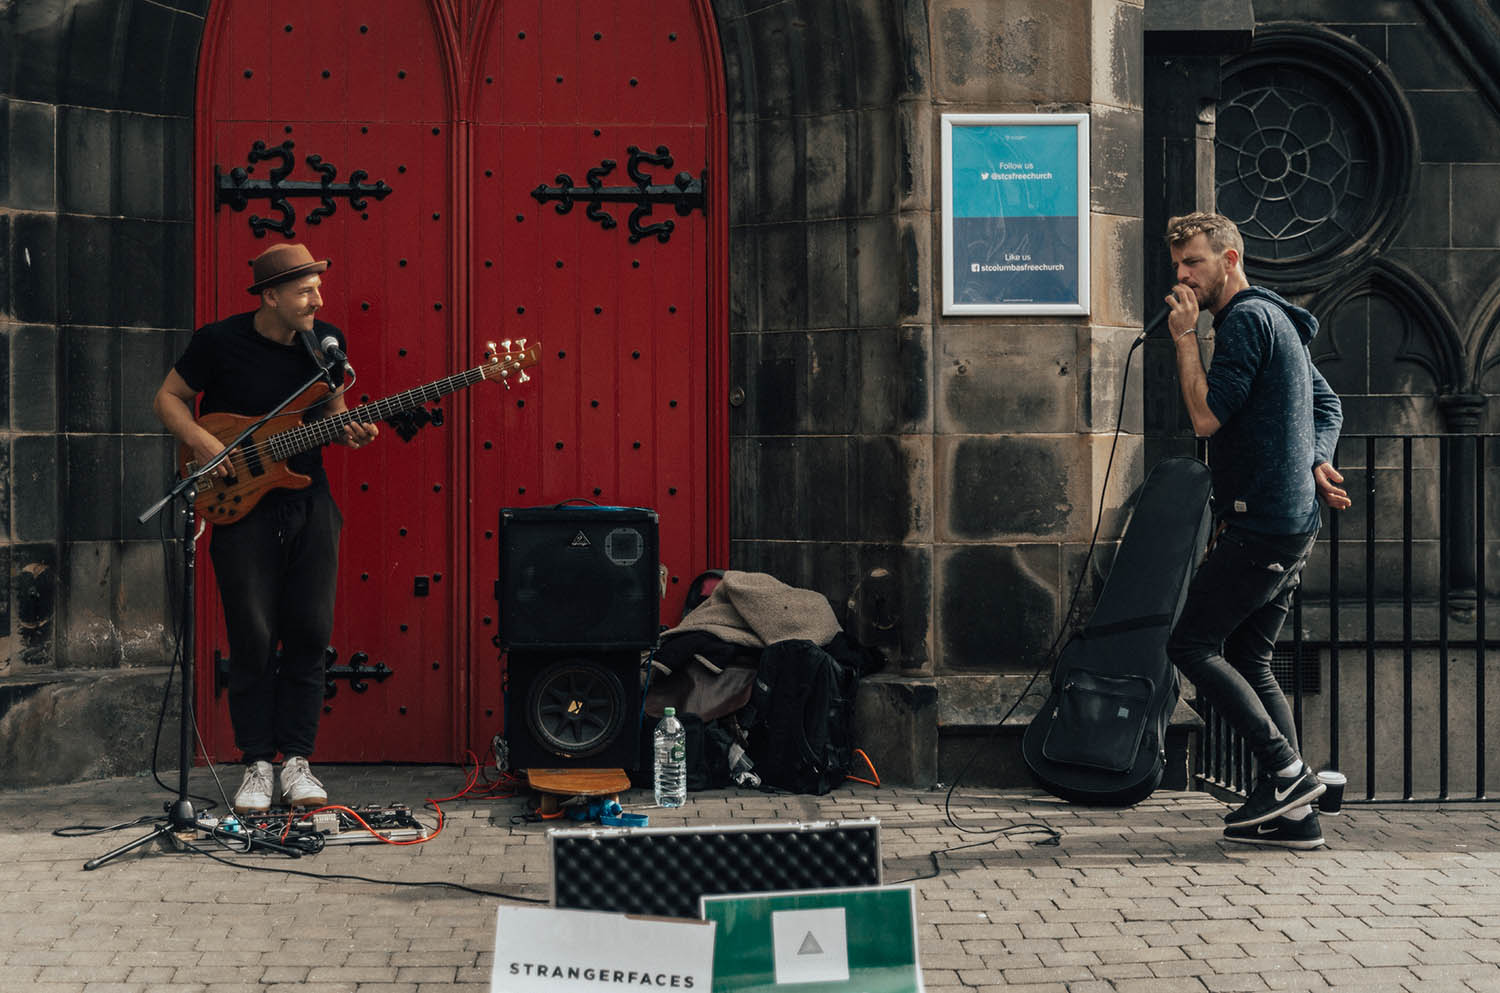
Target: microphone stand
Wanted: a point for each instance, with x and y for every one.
(181, 822)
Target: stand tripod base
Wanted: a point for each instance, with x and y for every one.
(163, 830)
(182, 826)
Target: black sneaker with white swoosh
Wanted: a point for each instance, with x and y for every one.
(1274, 796)
(1282, 832)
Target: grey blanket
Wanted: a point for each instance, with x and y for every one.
(757, 609)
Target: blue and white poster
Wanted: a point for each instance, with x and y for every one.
(1015, 214)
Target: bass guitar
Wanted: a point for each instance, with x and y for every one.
(257, 464)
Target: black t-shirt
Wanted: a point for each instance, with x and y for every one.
(240, 371)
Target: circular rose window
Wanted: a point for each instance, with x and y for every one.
(1314, 154)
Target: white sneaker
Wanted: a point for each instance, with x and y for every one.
(254, 794)
(299, 787)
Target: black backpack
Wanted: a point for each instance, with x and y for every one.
(800, 718)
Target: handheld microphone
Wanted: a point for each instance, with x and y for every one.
(1158, 320)
(1152, 325)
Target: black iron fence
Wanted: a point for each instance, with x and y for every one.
(1385, 656)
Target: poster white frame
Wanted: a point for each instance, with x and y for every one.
(1077, 303)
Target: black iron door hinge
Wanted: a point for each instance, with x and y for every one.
(236, 188)
(685, 193)
(356, 672)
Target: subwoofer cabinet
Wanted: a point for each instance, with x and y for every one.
(576, 578)
(573, 710)
(580, 598)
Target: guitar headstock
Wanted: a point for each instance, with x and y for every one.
(509, 360)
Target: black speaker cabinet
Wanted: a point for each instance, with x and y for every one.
(578, 578)
(574, 710)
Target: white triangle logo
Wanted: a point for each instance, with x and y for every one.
(580, 540)
(810, 946)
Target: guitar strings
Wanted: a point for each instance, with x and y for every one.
(260, 450)
(268, 447)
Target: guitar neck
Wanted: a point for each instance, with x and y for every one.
(327, 430)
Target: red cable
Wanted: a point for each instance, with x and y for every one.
(876, 783)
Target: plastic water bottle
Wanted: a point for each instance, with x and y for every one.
(671, 760)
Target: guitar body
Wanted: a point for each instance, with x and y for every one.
(1101, 736)
(258, 464)
(253, 473)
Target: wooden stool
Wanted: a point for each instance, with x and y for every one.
(555, 783)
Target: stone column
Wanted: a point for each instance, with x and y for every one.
(1462, 412)
(1025, 408)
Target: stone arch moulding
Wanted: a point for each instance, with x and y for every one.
(1316, 152)
(1485, 333)
(1406, 290)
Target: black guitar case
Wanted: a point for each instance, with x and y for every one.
(1101, 736)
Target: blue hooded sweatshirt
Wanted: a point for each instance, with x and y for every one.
(1278, 418)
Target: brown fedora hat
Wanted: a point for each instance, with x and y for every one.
(279, 263)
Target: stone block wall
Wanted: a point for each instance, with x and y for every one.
(939, 478)
(94, 298)
(831, 134)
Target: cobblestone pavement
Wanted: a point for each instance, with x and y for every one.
(1148, 899)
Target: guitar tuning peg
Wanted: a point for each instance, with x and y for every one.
(521, 344)
(506, 343)
(490, 350)
(524, 378)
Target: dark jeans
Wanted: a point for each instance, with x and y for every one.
(276, 571)
(1223, 641)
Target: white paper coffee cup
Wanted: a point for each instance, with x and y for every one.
(1333, 797)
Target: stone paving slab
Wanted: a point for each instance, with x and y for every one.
(1149, 899)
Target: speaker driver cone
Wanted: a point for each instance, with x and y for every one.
(576, 708)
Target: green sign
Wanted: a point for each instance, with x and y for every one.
(860, 940)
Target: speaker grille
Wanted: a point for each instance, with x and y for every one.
(578, 578)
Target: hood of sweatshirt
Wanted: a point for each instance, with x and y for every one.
(1305, 323)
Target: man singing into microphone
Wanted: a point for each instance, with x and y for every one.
(276, 566)
(1274, 422)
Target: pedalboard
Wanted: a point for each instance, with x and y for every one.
(337, 826)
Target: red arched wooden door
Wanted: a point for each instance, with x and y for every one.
(464, 110)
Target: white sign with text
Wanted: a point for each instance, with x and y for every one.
(541, 950)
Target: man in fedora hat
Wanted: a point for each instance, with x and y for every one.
(276, 567)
